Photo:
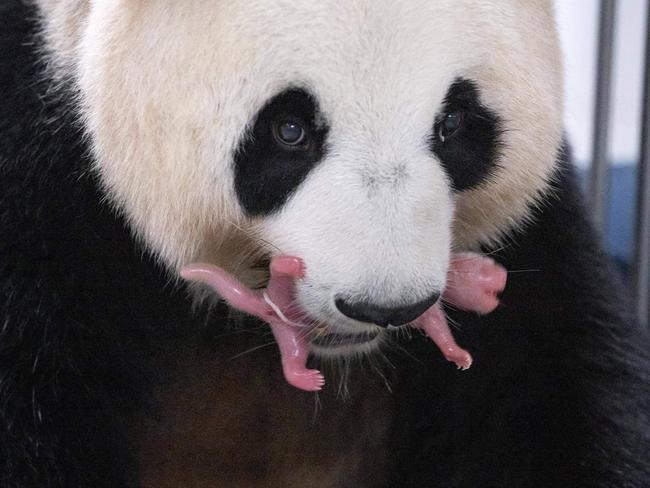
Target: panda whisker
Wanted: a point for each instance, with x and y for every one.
(387, 360)
(318, 406)
(344, 368)
(476, 255)
(378, 370)
(452, 286)
(254, 235)
(494, 251)
(532, 270)
(406, 332)
(450, 305)
(454, 324)
(405, 351)
(252, 349)
(253, 330)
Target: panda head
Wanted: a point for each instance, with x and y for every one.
(369, 138)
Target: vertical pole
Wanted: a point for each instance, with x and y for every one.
(598, 187)
(641, 264)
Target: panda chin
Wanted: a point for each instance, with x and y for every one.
(335, 344)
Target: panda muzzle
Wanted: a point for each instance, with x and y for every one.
(473, 284)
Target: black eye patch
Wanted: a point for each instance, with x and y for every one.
(466, 136)
(274, 157)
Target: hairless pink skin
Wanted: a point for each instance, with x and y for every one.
(434, 323)
(277, 311)
(473, 284)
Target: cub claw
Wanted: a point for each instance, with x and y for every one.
(307, 379)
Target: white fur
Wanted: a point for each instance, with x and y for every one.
(167, 88)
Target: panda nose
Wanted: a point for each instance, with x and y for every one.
(384, 316)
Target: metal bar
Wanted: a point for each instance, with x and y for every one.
(641, 265)
(598, 187)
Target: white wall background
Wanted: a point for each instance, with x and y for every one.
(578, 25)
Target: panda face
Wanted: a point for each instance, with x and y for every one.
(350, 201)
(367, 137)
(355, 199)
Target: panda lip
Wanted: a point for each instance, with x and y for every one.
(333, 339)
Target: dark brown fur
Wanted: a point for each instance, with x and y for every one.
(230, 421)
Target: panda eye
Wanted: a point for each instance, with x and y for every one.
(289, 133)
(286, 141)
(449, 124)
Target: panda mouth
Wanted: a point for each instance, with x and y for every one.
(473, 284)
(321, 337)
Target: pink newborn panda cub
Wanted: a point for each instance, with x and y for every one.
(473, 284)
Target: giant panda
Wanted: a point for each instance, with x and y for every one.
(370, 138)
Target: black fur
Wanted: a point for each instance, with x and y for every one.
(559, 393)
(78, 302)
(560, 387)
(470, 153)
(268, 172)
